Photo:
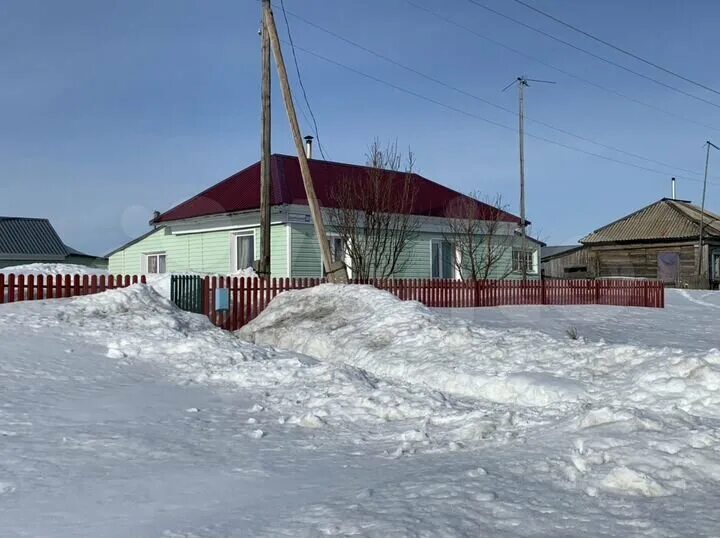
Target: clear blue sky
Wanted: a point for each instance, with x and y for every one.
(111, 109)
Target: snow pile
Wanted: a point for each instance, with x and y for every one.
(136, 323)
(405, 341)
(53, 269)
(137, 307)
(248, 272)
(390, 419)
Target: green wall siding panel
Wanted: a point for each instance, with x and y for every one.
(211, 252)
(416, 261)
(306, 261)
(204, 252)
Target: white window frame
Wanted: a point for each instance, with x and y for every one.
(145, 260)
(456, 256)
(346, 259)
(233, 247)
(533, 270)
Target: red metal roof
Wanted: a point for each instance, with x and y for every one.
(241, 191)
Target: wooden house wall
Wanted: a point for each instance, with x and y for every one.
(641, 261)
(568, 265)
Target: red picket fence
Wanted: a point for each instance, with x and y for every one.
(249, 296)
(15, 288)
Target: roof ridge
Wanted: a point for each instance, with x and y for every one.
(626, 217)
(240, 190)
(200, 194)
(695, 208)
(24, 218)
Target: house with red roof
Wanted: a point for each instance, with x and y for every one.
(218, 230)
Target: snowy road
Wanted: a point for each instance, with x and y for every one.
(123, 417)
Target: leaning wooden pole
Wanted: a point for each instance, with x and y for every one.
(265, 180)
(335, 271)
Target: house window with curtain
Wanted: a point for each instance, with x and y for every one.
(443, 259)
(668, 264)
(337, 247)
(339, 252)
(155, 262)
(244, 250)
(523, 261)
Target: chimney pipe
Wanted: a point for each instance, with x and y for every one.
(672, 182)
(308, 146)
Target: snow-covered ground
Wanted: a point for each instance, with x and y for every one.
(343, 411)
(53, 269)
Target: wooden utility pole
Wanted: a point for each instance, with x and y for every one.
(702, 210)
(522, 82)
(265, 180)
(335, 270)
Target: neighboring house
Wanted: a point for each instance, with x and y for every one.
(564, 261)
(660, 241)
(31, 240)
(218, 230)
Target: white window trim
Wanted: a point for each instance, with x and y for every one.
(534, 269)
(346, 258)
(456, 273)
(146, 255)
(288, 229)
(233, 246)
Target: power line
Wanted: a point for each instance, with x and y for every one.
(302, 86)
(481, 99)
(483, 119)
(592, 54)
(617, 48)
(559, 69)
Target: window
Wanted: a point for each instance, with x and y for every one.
(244, 250)
(155, 262)
(337, 248)
(443, 259)
(339, 252)
(668, 267)
(523, 261)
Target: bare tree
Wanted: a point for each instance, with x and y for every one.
(480, 235)
(372, 213)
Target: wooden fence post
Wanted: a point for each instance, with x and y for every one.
(20, 288)
(597, 292)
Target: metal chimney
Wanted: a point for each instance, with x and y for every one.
(672, 182)
(308, 146)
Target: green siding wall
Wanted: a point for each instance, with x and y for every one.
(305, 252)
(206, 252)
(416, 261)
(211, 252)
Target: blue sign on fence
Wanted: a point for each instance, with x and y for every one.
(222, 299)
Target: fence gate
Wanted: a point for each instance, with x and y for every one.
(186, 291)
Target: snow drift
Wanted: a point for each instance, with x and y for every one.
(547, 436)
(405, 341)
(53, 269)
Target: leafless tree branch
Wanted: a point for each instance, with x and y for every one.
(372, 212)
(480, 238)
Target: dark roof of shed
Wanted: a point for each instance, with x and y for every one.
(558, 250)
(664, 220)
(241, 191)
(29, 237)
(25, 238)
